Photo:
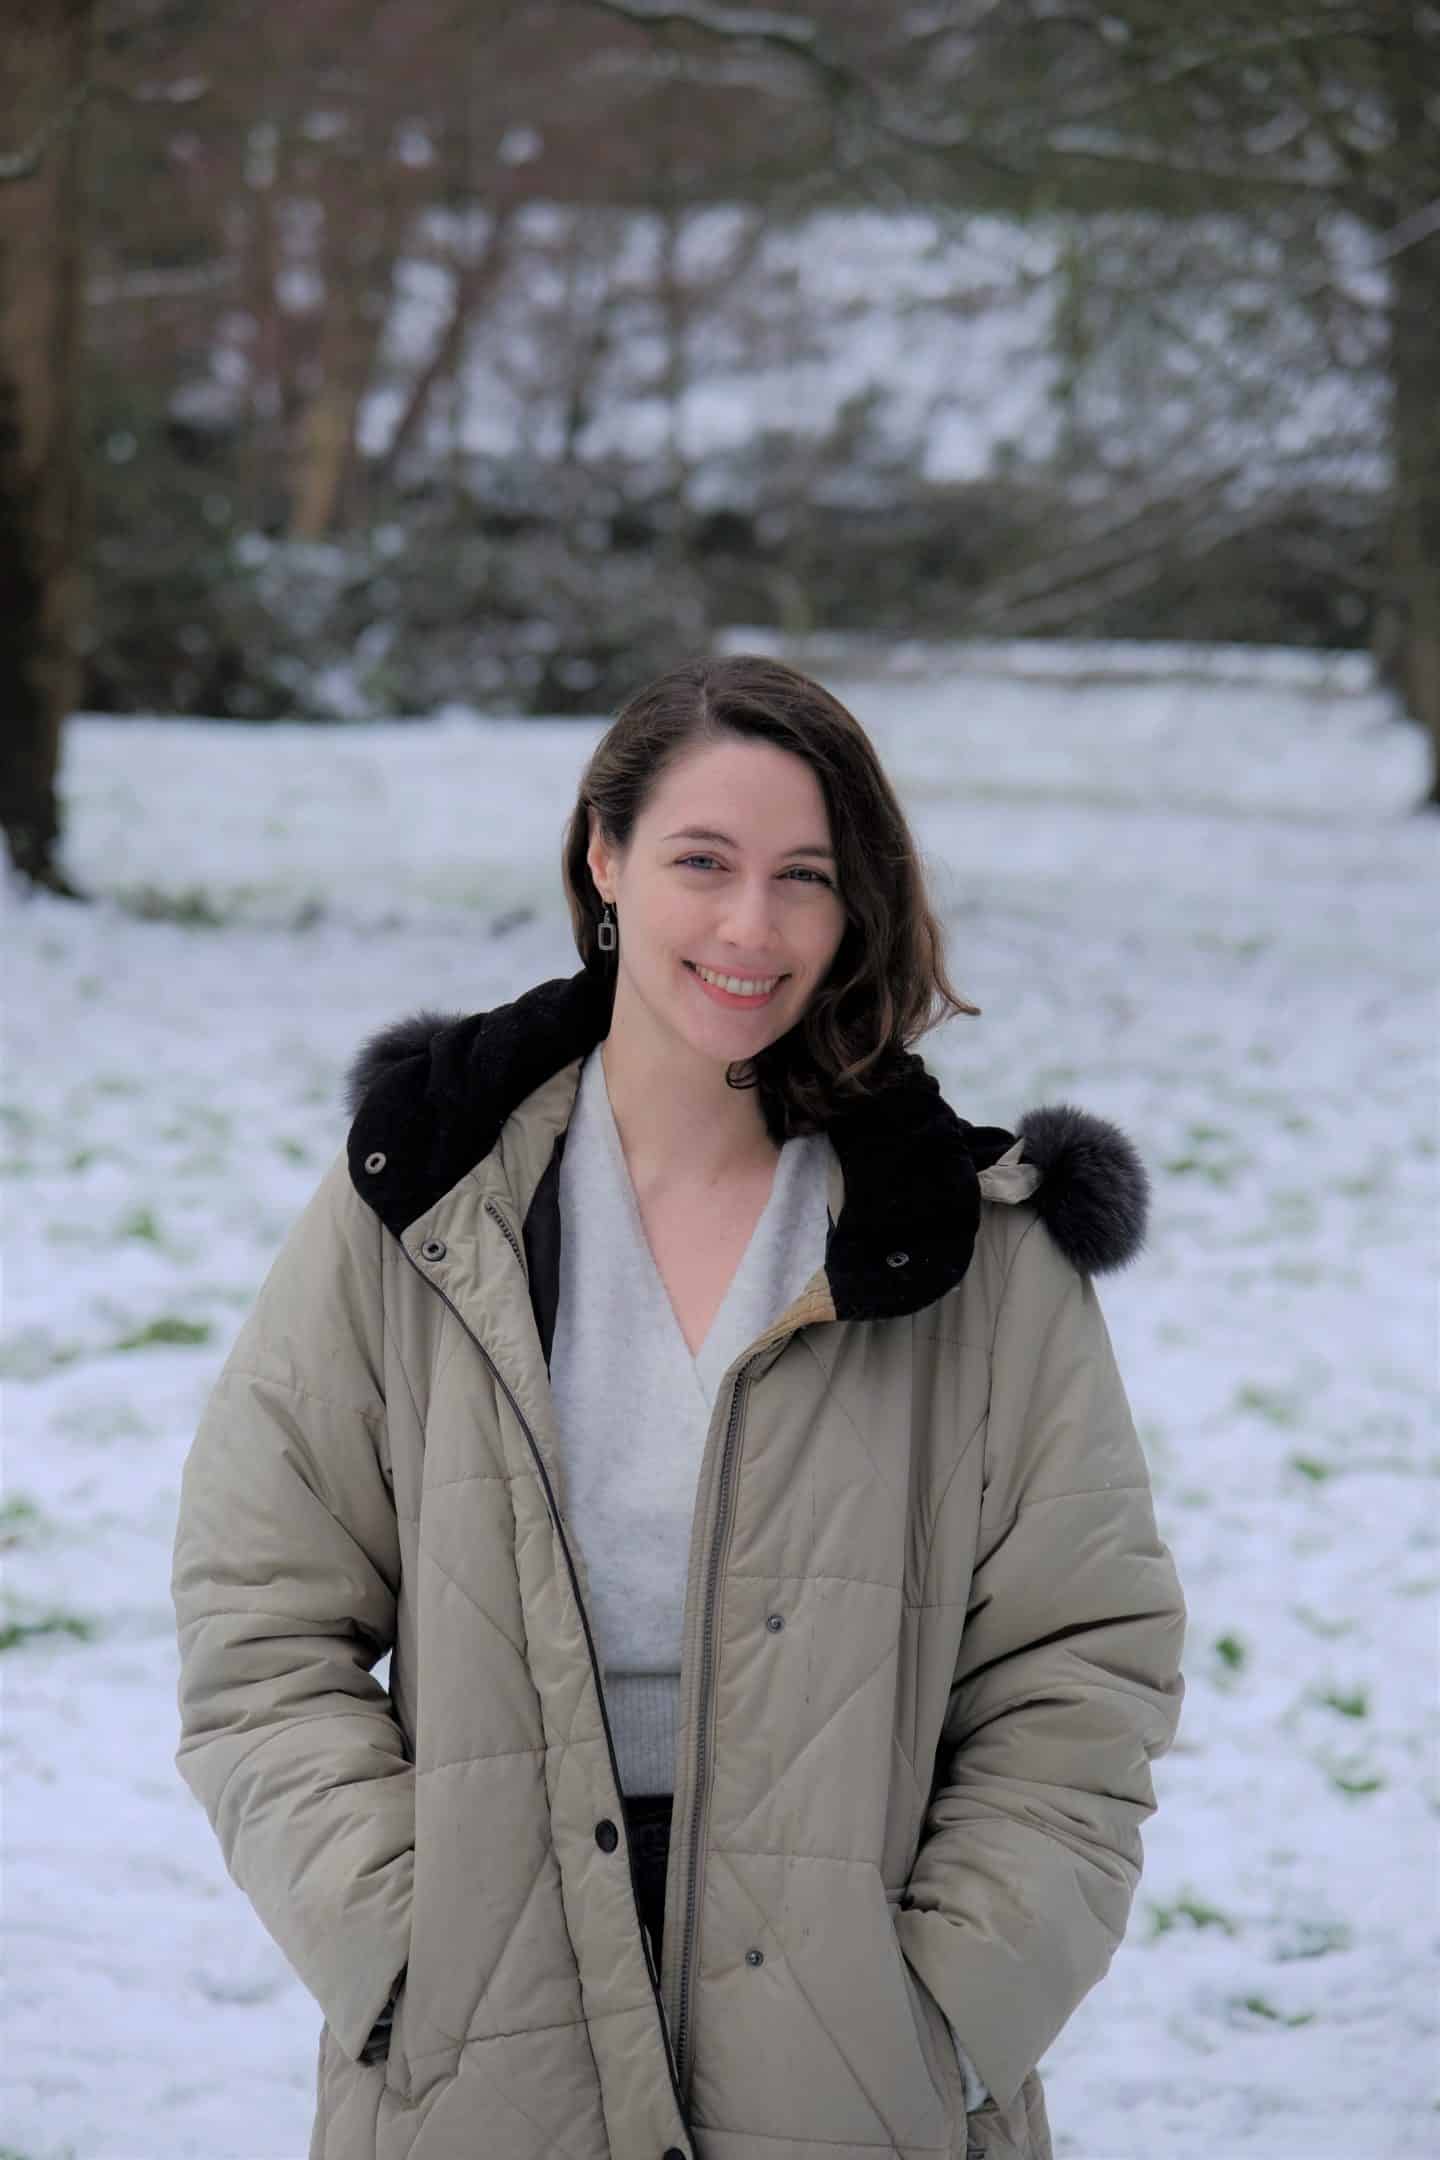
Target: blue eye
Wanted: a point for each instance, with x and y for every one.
(817, 875)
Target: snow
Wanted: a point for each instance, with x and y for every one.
(1194, 901)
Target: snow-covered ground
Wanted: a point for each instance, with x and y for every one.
(1196, 904)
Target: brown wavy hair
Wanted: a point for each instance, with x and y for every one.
(887, 983)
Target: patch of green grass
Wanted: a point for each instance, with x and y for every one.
(32, 1354)
(1217, 1173)
(1314, 1938)
(1351, 1703)
(1356, 1783)
(19, 1520)
(192, 908)
(1322, 1623)
(1268, 1403)
(169, 1328)
(1312, 1467)
(1190, 1910)
(1259, 2006)
(15, 1633)
(1231, 1652)
(141, 1225)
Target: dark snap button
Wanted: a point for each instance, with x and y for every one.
(754, 1957)
(896, 1259)
(375, 1163)
(433, 1249)
(775, 1622)
(672, 2152)
(607, 1837)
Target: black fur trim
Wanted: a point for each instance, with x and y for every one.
(391, 1046)
(429, 1095)
(1094, 1193)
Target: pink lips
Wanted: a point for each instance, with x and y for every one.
(728, 997)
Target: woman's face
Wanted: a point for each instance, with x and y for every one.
(758, 903)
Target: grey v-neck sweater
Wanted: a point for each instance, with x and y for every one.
(634, 1405)
(633, 1408)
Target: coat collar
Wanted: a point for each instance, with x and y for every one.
(429, 1095)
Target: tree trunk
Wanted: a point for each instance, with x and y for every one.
(359, 277)
(1411, 177)
(44, 69)
(1415, 454)
(474, 281)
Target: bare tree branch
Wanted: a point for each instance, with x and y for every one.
(1271, 41)
(1409, 232)
(999, 175)
(25, 164)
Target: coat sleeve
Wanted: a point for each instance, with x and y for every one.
(285, 1580)
(1066, 1687)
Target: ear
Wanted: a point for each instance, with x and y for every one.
(598, 856)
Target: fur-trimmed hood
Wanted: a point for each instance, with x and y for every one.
(429, 1094)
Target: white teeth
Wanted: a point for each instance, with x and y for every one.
(738, 984)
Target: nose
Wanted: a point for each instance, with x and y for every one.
(748, 922)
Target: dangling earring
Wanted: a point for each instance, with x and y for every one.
(607, 936)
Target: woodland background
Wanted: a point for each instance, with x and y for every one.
(366, 357)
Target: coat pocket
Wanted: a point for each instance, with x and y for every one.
(939, 2048)
(396, 2061)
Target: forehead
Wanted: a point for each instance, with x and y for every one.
(742, 787)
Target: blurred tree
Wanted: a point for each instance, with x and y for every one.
(45, 81)
(1292, 120)
(331, 232)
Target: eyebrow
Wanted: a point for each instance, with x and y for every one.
(706, 832)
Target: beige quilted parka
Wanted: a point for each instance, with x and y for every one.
(931, 1642)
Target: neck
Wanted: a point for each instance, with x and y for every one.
(678, 1121)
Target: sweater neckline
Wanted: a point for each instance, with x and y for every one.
(594, 1094)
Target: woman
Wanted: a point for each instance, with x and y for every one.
(725, 1441)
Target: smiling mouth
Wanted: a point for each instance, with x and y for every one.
(774, 984)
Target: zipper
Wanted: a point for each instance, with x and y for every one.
(495, 1214)
(707, 1641)
(550, 1502)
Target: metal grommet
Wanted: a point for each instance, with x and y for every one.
(896, 1259)
(375, 1163)
(775, 1622)
(433, 1249)
(754, 1957)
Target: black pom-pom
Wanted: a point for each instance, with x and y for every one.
(1094, 1191)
